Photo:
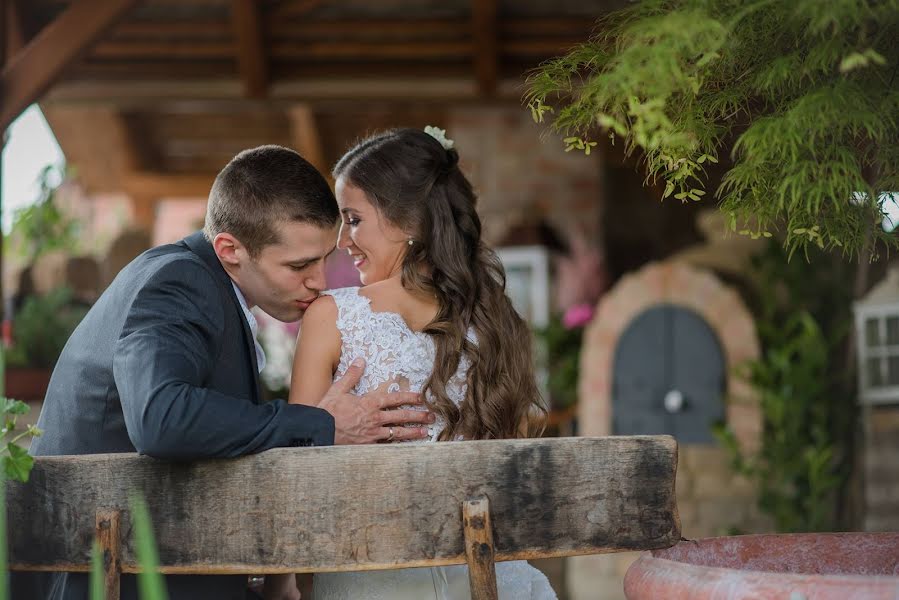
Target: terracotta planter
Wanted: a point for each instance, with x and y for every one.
(805, 566)
(26, 383)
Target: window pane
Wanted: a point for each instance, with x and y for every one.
(874, 376)
(892, 330)
(872, 332)
(893, 370)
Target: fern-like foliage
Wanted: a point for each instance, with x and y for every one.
(804, 95)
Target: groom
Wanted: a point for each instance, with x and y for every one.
(166, 363)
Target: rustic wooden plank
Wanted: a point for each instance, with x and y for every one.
(251, 60)
(41, 62)
(108, 537)
(479, 551)
(486, 59)
(355, 508)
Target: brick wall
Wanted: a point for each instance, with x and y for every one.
(521, 173)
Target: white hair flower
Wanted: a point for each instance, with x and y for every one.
(439, 135)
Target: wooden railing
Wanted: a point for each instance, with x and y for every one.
(353, 508)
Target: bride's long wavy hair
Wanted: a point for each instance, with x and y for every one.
(417, 186)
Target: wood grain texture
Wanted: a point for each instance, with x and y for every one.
(354, 508)
(108, 531)
(37, 66)
(479, 551)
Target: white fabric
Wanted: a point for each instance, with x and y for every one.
(254, 327)
(399, 359)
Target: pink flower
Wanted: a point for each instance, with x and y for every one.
(577, 316)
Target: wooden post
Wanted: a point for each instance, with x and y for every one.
(108, 522)
(479, 548)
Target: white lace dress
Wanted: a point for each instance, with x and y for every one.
(399, 359)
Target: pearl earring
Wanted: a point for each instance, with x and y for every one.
(411, 242)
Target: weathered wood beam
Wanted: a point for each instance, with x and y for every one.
(170, 49)
(37, 66)
(305, 136)
(146, 190)
(285, 511)
(486, 57)
(295, 8)
(168, 29)
(146, 184)
(15, 33)
(251, 60)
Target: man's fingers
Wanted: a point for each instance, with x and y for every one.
(401, 417)
(349, 380)
(395, 399)
(403, 433)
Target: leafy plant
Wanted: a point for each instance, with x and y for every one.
(42, 327)
(42, 226)
(806, 392)
(17, 462)
(562, 348)
(801, 93)
(17, 465)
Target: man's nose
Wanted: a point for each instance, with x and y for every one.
(317, 280)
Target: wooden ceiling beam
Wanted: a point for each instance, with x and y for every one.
(294, 8)
(371, 50)
(145, 184)
(173, 29)
(428, 28)
(187, 49)
(486, 56)
(251, 60)
(305, 137)
(12, 26)
(34, 69)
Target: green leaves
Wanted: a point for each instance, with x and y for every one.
(857, 60)
(150, 583)
(799, 91)
(16, 461)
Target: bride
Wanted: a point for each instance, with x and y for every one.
(432, 317)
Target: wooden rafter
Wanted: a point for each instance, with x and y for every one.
(486, 55)
(252, 64)
(305, 136)
(35, 67)
(12, 25)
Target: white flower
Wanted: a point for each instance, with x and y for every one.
(439, 135)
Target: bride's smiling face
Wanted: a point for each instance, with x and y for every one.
(376, 245)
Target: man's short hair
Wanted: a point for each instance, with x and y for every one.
(263, 186)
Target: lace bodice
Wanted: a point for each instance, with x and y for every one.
(397, 358)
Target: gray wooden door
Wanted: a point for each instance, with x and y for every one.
(669, 376)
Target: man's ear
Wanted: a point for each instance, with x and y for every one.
(229, 249)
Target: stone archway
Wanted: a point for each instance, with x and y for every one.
(681, 285)
(711, 498)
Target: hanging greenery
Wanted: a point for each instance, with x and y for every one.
(803, 95)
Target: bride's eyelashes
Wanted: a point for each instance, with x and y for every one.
(352, 222)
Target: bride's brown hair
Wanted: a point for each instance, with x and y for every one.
(417, 186)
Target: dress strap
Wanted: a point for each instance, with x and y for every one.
(351, 306)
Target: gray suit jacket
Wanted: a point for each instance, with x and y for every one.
(164, 364)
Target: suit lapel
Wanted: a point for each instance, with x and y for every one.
(200, 246)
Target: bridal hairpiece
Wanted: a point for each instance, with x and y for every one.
(439, 135)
